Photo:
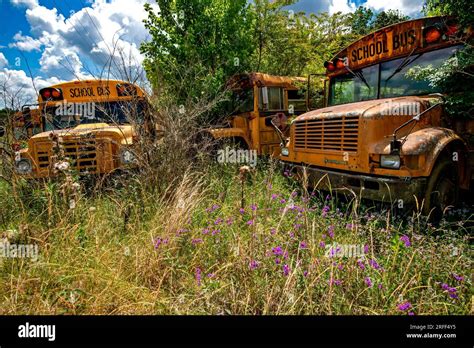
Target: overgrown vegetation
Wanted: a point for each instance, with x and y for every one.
(184, 235)
(191, 249)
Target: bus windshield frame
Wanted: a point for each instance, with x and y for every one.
(387, 79)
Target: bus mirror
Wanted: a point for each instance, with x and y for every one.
(26, 113)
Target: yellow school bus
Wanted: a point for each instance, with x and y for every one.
(90, 125)
(385, 135)
(257, 99)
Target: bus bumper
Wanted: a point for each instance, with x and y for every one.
(383, 189)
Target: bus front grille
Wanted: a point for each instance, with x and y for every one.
(338, 133)
(82, 153)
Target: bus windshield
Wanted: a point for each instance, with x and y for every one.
(388, 79)
(241, 101)
(68, 115)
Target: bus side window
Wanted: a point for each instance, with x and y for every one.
(297, 99)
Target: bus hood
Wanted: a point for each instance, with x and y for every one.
(400, 106)
(122, 132)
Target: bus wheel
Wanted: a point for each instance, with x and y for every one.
(442, 190)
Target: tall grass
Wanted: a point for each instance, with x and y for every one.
(189, 248)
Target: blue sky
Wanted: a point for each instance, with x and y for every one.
(61, 40)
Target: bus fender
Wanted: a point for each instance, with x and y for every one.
(433, 142)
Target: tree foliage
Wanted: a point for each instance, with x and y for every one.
(364, 20)
(458, 72)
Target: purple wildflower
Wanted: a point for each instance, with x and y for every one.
(253, 207)
(198, 276)
(374, 264)
(230, 221)
(303, 245)
(242, 211)
(272, 231)
(286, 269)
(218, 221)
(404, 306)
(361, 264)
(405, 240)
(197, 241)
(322, 244)
(253, 265)
(214, 232)
(294, 194)
(366, 249)
(205, 231)
(458, 277)
(250, 222)
(211, 275)
(305, 273)
(331, 231)
(274, 196)
(158, 243)
(411, 313)
(277, 261)
(277, 250)
(368, 282)
(282, 201)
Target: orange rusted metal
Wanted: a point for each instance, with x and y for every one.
(253, 127)
(344, 143)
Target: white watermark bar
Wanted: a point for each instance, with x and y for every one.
(14, 251)
(237, 156)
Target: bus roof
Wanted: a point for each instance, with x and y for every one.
(397, 40)
(262, 80)
(93, 90)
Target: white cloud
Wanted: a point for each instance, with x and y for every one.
(344, 6)
(16, 88)
(407, 7)
(27, 3)
(81, 43)
(3, 60)
(25, 43)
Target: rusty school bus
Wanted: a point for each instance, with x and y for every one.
(384, 135)
(86, 124)
(258, 98)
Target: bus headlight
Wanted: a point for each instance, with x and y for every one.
(285, 151)
(23, 166)
(127, 156)
(390, 161)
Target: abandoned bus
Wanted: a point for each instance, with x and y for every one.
(88, 124)
(257, 99)
(384, 134)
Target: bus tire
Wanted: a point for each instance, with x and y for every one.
(442, 190)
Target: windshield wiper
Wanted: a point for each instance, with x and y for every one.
(359, 75)
(403, 64)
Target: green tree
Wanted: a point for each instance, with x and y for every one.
(364, 20)
(458, 72)
(195, 45)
